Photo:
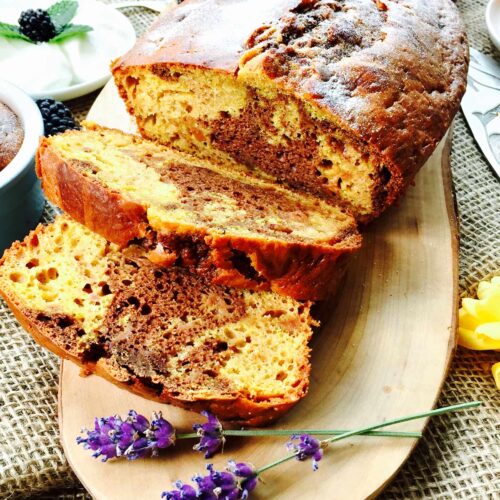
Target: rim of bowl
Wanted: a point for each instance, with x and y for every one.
(494, 33)
(31, 120)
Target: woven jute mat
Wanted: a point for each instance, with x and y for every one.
(458, 456)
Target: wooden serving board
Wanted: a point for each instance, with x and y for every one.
(384, 352)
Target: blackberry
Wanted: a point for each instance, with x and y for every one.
(57, 117)
(37, 25)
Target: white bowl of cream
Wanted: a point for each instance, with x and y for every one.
(69, 68)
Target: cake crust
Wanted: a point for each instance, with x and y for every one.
(390, 73)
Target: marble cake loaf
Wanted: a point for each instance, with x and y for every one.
(342, 98)
(165, 334)
(235, 229)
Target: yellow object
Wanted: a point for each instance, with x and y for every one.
(495, 369)
(479, 321)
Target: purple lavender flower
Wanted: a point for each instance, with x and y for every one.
(104, 439)
(183, 492)
(307, 447)
(211, 433)
(133, 437)
(246, 474)
(235, 483)
(133, 443)
(162, 432)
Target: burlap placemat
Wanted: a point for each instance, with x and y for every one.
(458, 456)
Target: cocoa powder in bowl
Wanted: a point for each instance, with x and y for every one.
(11, 135)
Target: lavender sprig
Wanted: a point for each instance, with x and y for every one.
(136, 437)
(238, 480)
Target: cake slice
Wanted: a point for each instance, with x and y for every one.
(346, 99)
(234, 229)
(164, 334)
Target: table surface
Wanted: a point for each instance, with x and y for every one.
(458, 456)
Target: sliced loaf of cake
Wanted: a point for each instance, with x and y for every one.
(343, 98)
(234, 229)
(165, 334)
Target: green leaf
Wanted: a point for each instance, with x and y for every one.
(11, 31)
(62, 12)
(71, 30)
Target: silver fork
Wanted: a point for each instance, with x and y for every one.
(155, 5)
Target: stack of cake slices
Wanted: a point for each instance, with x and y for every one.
(187, 261)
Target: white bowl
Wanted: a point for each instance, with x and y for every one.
(89, 11)
(493, 21)
(21, 197)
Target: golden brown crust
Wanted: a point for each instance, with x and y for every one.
(390, 73)
(87, 201)
(304, 271)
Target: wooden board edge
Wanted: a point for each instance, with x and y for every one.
(452, 210)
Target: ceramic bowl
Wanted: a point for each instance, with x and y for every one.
(21, 197)
(493, 21)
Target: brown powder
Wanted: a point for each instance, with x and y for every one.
(11, 135)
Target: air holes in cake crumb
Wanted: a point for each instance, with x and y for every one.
(229, 334)
(80, 332)
(274, 313)
(87, 288)
(32, 263)
(17, 277)
(339, 183)
(65, 321)
(281, 376)
(326, 163)
(131, 82)
(145, 310)
(78, 302)
(126, 282)
(94, 353)
(210, 373)
(133, 301)
(42, 317)
(221, 347)
(158, 274)
(385, 174)
(132, 263)
(151, 120)
(105, 290)
(47, 275)
(188, 108)
(243, 264)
